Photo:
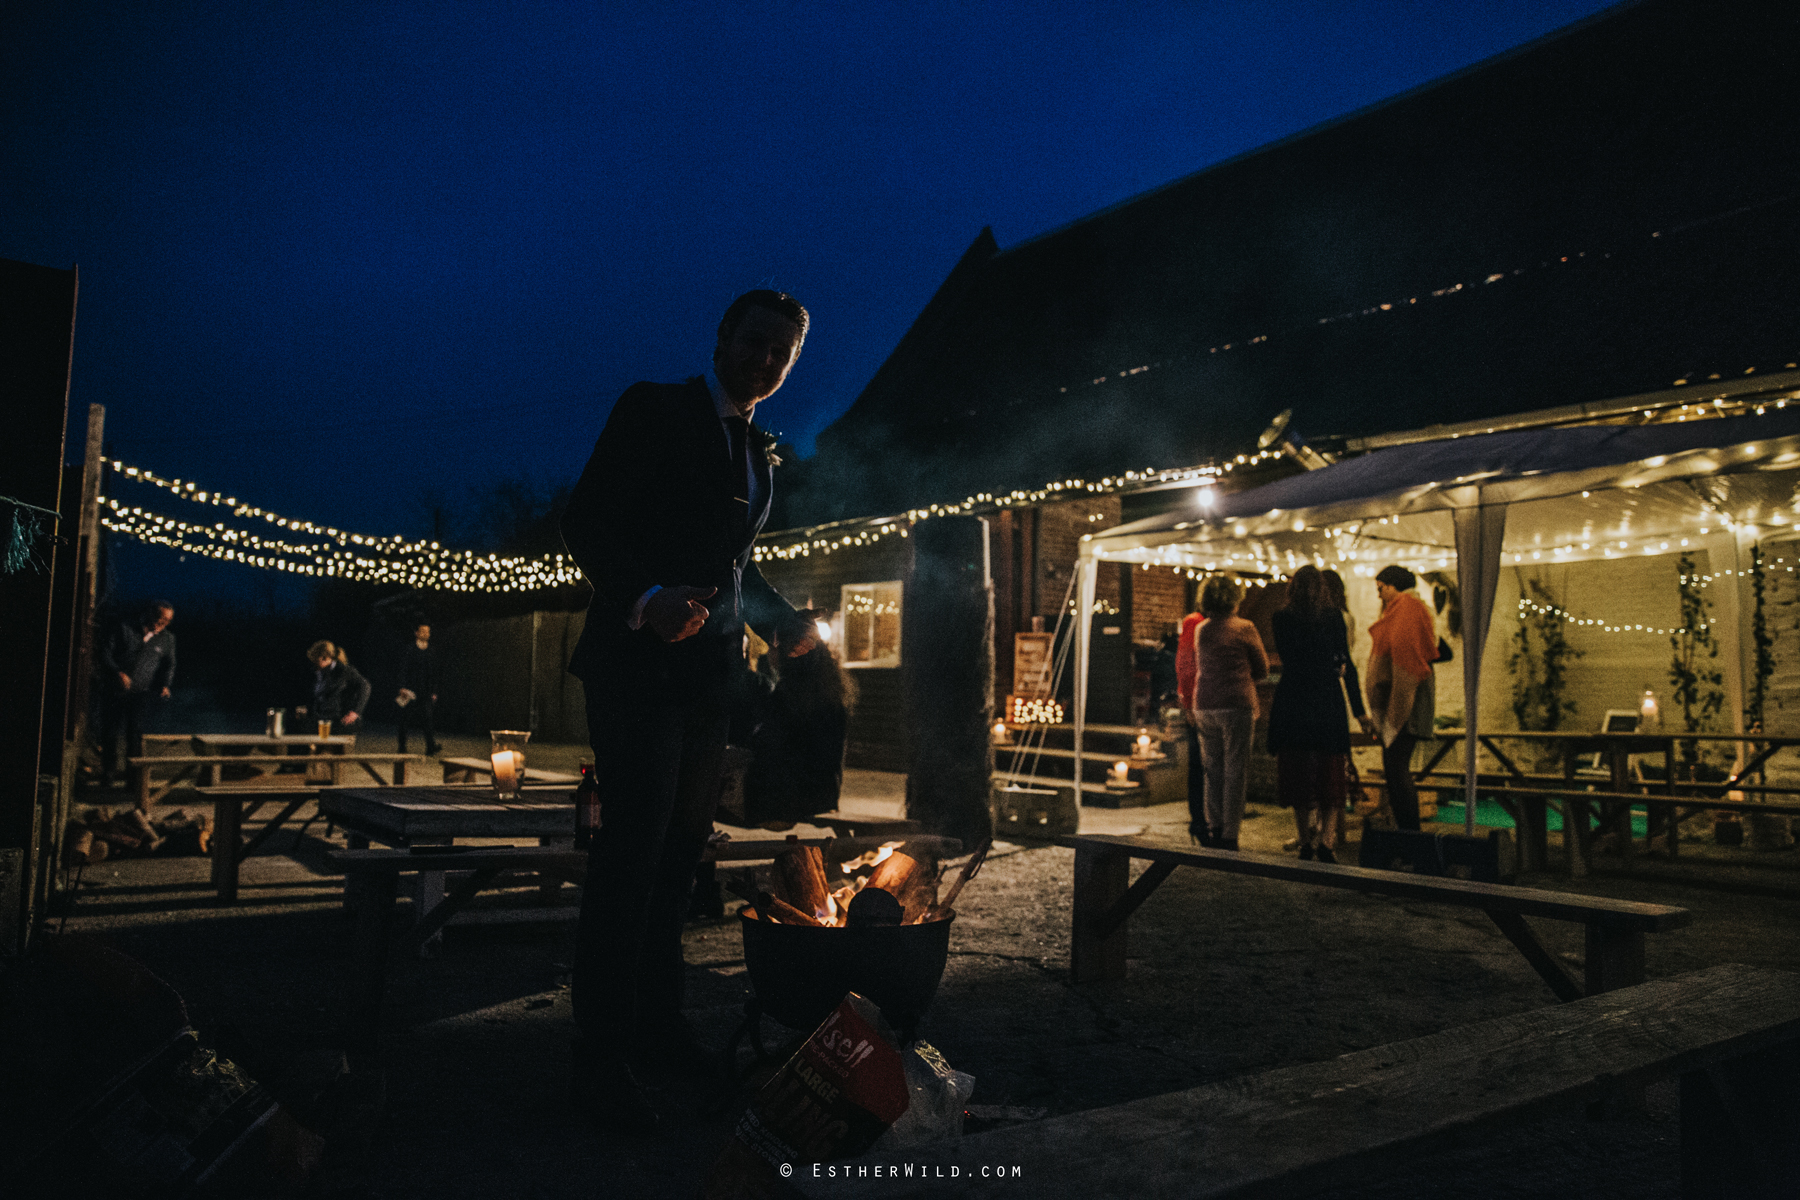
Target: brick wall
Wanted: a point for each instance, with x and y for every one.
(1060, 529)
(1158, 602)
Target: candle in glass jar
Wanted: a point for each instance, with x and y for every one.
(509, 765)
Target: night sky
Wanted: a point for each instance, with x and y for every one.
(351, 260)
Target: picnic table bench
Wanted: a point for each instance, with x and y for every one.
(204, 769)
(371, 890)
(478, 770)
(1105, 900)
(1729, 1033)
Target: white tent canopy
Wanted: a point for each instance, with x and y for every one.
(1539, 496)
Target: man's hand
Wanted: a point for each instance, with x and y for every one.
(165, 693)
(125, 681)
(805, 634)
(348, 718)
(676, 612)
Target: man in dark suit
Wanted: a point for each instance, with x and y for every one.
(137, 662)
(662, 523)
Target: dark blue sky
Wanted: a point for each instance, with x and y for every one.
(337, 257)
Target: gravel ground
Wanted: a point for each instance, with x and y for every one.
(1228, 975)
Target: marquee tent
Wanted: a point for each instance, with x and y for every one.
(1718, 484)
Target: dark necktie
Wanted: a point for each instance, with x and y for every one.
(738, 430)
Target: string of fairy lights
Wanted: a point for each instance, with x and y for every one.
(322, 551)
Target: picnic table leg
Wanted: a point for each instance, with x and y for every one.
(367, 985)
(1575, 834)
(1534, 838)
(400, 773)
(143, 788)
(1731, 1143)
(1615, 958)
(428, 893)
(227, 843)
(1101, 877)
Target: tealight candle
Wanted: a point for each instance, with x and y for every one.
(1119, 772)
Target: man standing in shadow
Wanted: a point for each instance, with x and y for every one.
(137, 664)
(662, 523)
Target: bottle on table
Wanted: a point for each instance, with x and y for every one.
(587, 808)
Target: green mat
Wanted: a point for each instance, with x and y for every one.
(1489, 813)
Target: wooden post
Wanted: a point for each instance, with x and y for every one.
(367, 987)
(946, 664)
(1575, 835)
(227, 841)
(1615, 958)
(1101, 877)
(1733, 1122)
(1534, 839)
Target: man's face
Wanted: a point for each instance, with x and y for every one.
(754, 361)
(1386, 591)
(422, 634)
(160, 620)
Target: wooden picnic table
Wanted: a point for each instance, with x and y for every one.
(405, 817)
(1527, 801)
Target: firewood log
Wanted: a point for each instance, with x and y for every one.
(784, 912)
(800, 880)
(78, 849)
(911, 881)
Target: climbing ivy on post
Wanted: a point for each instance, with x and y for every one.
(1699, 686)
(1762, 639)
(1540, 662)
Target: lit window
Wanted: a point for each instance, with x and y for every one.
(870, 618)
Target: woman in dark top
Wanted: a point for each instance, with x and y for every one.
(1308, 733)
(340, 693)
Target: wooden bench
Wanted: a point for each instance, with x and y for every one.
(1104, 904)
(1731, 1034)
(477, 770)
(204, 769)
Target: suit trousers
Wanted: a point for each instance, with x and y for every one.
(1402, 789)
(658, 764)
(417, 715)
(121, 712)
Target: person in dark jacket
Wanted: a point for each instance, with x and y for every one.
(418, 688)
(340, 693)
(1308, 732)
(137, 661)
(799, 745)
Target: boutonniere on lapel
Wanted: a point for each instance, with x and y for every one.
(766, 442)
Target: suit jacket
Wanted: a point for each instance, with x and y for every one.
(151, 664)
(662, 503)
(338, 690)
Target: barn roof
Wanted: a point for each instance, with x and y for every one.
(1608, 210)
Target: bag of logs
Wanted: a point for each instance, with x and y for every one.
(888, 886)
(840, 1092)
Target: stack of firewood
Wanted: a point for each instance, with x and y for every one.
(99, 834)
(882, 887)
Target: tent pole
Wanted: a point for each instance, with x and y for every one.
(1085, 571)
(1480, 533)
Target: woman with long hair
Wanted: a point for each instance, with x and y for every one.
(1230, 660)
(1308, 733)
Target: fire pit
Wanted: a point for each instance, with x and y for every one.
(800, 972)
